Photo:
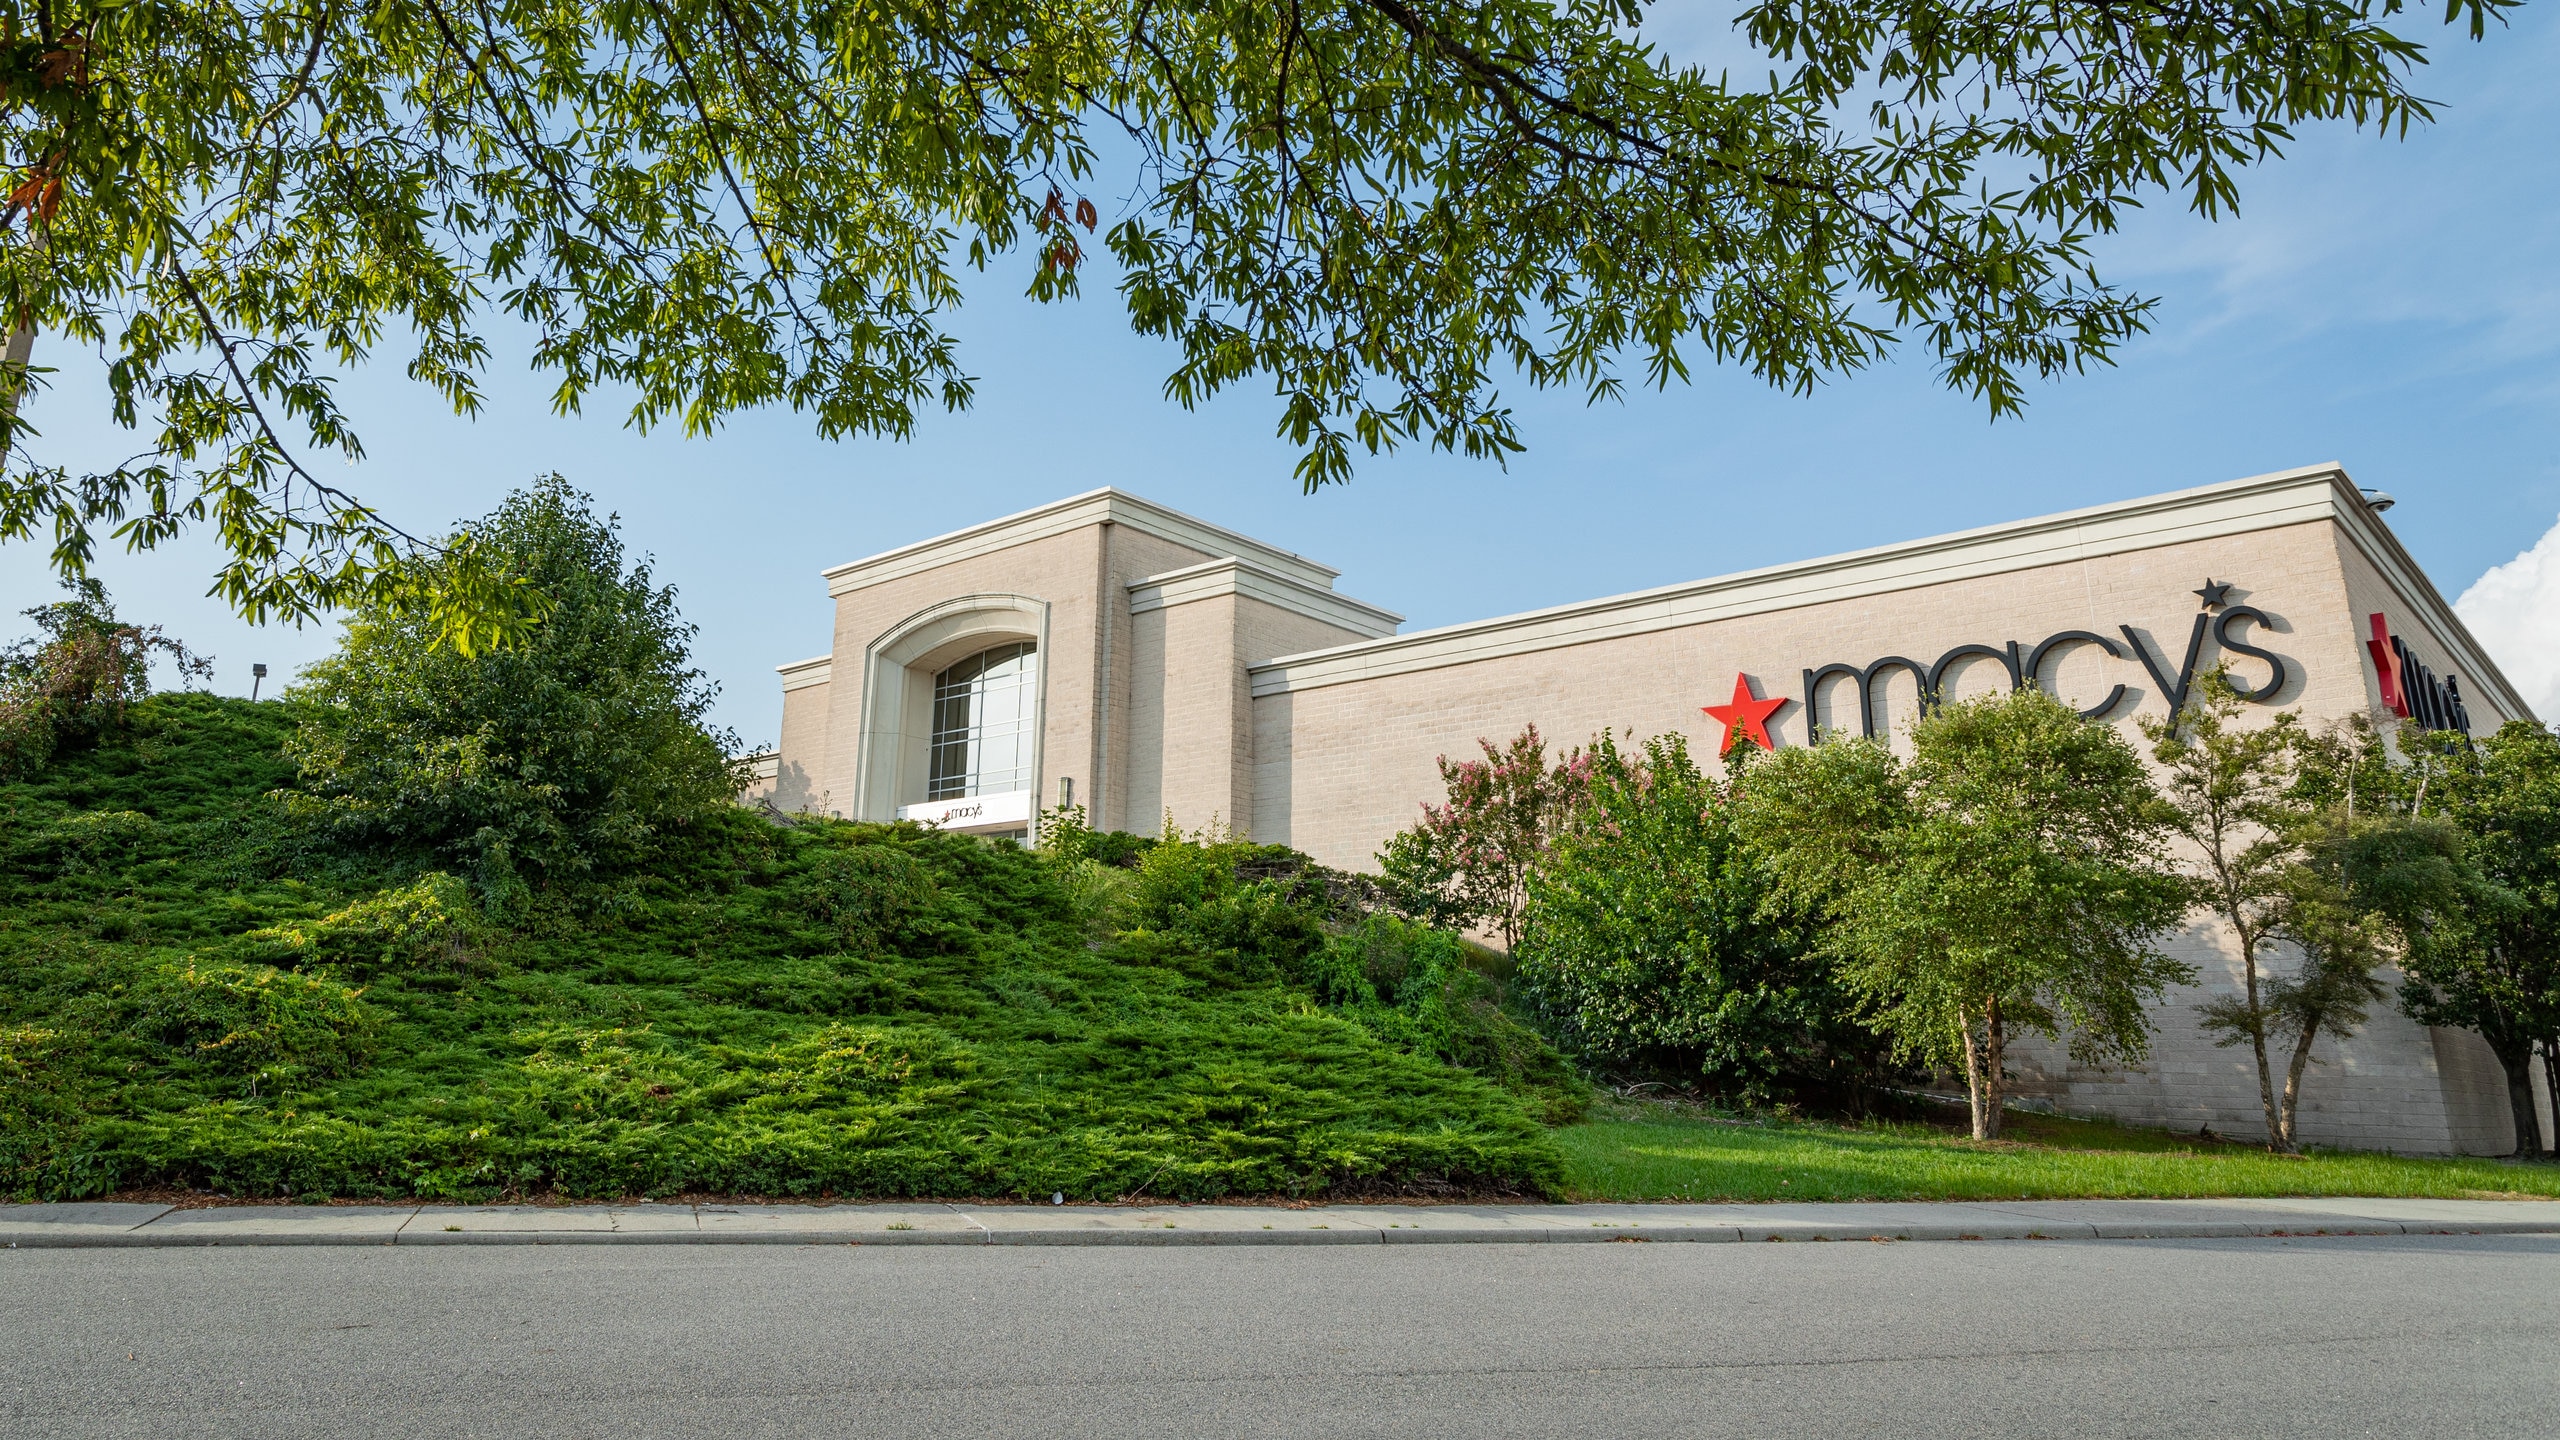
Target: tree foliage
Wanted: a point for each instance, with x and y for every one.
(2009, 877)
(2362, 891)
(2490, 961)
(1467, 863)
(1378, 207)
(2233, 798)
(1647, 943)
(549, 762)
(74, 679)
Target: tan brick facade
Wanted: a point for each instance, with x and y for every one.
(1190, 672)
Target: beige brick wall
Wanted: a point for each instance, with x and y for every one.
(1349, 764)
(2365, 592)
(1195, 760)
(2385, 1088)
(1191, 729)
(1059, 569)
(1132, 789)
(1082, 575)
(798, 786)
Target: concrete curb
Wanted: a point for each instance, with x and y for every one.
(80, 1226)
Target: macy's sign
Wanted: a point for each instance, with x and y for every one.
(1746, 718)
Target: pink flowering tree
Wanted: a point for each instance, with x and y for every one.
(1466, 865)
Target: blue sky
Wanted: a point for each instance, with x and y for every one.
(2393, 305)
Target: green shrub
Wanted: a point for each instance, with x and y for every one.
(255, 1020)
(1187, 898)
(74, 682)
(566, 756)
(27, 1080)
(1066, 837)
(96, 840)
(1427, 991)
(432, 921)
(871, 893)
(38, 1111)
(1647, 945)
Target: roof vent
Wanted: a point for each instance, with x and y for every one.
(2378, 500)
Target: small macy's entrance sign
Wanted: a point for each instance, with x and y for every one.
(973, 812)
(1746, 718)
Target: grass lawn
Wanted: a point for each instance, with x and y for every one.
(1661, 1153)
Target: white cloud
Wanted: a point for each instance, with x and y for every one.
(2514, 609)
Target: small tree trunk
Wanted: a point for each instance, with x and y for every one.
(1994, 1092)
(2551, 1086)
(2519, 1068)
(2286, 1143)
(13, 380)
(1515, 899)
(2258, 1037)
(1972, 1072)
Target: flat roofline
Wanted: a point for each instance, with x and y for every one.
(2258, 502)
(1092, 507)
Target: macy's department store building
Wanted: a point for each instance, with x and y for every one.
(1146, 664)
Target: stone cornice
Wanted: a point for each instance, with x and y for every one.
(1094, 507)
(1243, 577)
(800, 674)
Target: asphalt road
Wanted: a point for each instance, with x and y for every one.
(2436, 1336)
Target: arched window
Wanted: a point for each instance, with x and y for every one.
(982, 717)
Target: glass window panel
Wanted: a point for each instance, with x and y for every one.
(982, 717)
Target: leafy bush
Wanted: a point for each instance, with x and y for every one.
(1067, 836)
(26, 1079)
(1097, 894)
(69, 685)
(1258, 913)
(1188, 898)
(430, 921)
(255, 1020)
(96, 840)
(1647, 945)
(870, 894)
(36, 1110)
(568, 755)
(1466, 864)
(1424, 990)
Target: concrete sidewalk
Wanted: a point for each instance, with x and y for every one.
(916, 1223)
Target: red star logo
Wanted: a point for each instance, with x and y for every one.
(1745, 716)
(2386, 667)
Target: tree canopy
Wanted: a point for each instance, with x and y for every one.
(553, 762)
(1382, 208)
(2490, 962)
(2010, 877)
(74, 679)
(1647, 943)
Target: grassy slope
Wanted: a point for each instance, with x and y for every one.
(1673, 1156)
(731, 1025)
